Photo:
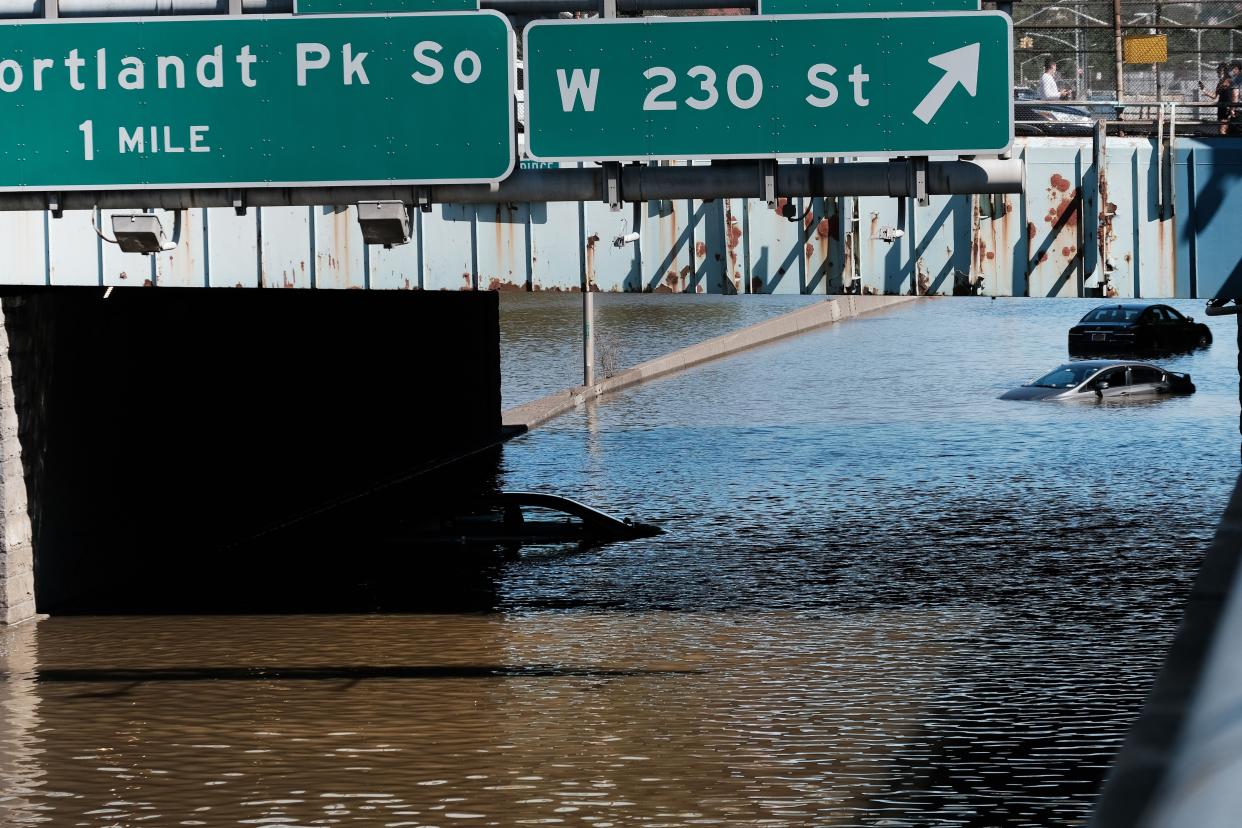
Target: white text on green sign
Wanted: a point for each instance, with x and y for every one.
(123, 104)
(755, 87)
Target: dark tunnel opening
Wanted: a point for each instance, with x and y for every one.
(242, 451)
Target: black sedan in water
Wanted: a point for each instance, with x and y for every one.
(1135, 328)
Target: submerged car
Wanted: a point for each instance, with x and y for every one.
(1130, 328)
(515, 519)
(1103, 379)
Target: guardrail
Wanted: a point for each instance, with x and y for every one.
(1125, 118)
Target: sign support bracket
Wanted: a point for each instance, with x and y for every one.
(612, 185)
(238, 197)
(53, 205)
(918, 168)
(769, 182)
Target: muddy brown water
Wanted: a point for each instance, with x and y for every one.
(885, 598)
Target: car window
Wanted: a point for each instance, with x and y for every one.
(1173, 315)
(1067, 376)
(1105, 314)
(542, 514)
(1139, 375)
(1159, 315)
(1114, 377)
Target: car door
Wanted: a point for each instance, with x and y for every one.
(1147, 328)
(1145, 381)
(1178, 328)
(1109, 384)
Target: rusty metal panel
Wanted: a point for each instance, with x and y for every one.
(667, 246)
(132, 269)
(74, 251)
(232, 248)
(885, 266)
(775, 248)
(447, 246)
(707, 228)
(23, 238)
(823, 253)
(186, 264)
(285, 249)
(1055, 209)
(613, 268)
(1115, 229)
(556, 244)
(999, 247)
(1156, 235)
(737, 268)
(340, 253)
(503, 240)
(944, 244)
(400, 267)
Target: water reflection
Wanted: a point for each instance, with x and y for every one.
(884, 598)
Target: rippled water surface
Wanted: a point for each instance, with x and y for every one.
(885, 598)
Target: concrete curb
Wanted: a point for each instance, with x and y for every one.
(529, 415)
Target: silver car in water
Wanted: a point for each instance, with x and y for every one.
(1092, 380)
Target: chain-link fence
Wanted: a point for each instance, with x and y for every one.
(1162, 50)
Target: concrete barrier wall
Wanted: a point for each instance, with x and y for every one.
(539, 411)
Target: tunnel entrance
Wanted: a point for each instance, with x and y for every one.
(214, 450)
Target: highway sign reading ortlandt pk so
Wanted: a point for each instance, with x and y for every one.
(256, 101)
(780, 86)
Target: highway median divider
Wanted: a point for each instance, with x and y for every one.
(524, 417)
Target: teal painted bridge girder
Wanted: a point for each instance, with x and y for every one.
(1077, 231)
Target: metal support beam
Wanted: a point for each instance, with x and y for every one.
(769, 183)
(735, 179)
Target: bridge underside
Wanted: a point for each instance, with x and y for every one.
(165, 434)
(1129, 220)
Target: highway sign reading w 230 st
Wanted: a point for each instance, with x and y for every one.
(756, 87)
(255, 101)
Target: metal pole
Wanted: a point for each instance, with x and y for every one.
(607, 9)
(1118, 52)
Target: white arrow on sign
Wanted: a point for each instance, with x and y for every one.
(960, 66)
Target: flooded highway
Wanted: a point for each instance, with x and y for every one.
(884, 597)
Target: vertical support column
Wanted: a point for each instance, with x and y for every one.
(16, 551)
(1118, 52)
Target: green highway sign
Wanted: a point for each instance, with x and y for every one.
(862, 6)
(770, 86)
(256, 101)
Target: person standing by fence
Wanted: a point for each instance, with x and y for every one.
(1049, 89)
(1223, 94)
